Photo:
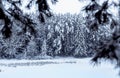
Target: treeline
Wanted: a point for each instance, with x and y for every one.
(60, 35)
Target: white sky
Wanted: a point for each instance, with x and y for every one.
(75, 6)
(62, 6)
(65, 6)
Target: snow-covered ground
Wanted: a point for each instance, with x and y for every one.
(56, 68)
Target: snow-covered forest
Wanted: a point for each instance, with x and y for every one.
(33, 30)
(65, 35)
(60, 35)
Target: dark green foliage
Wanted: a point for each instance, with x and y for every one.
(42, 5)
(41, 17)
(107, 49)
(43, 8)
(24, 19)
(17, 14)
(99, 15)
(6, 30)
(92, 6)
(2, 15)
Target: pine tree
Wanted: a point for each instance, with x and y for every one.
(109, 49)
(16, 13)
